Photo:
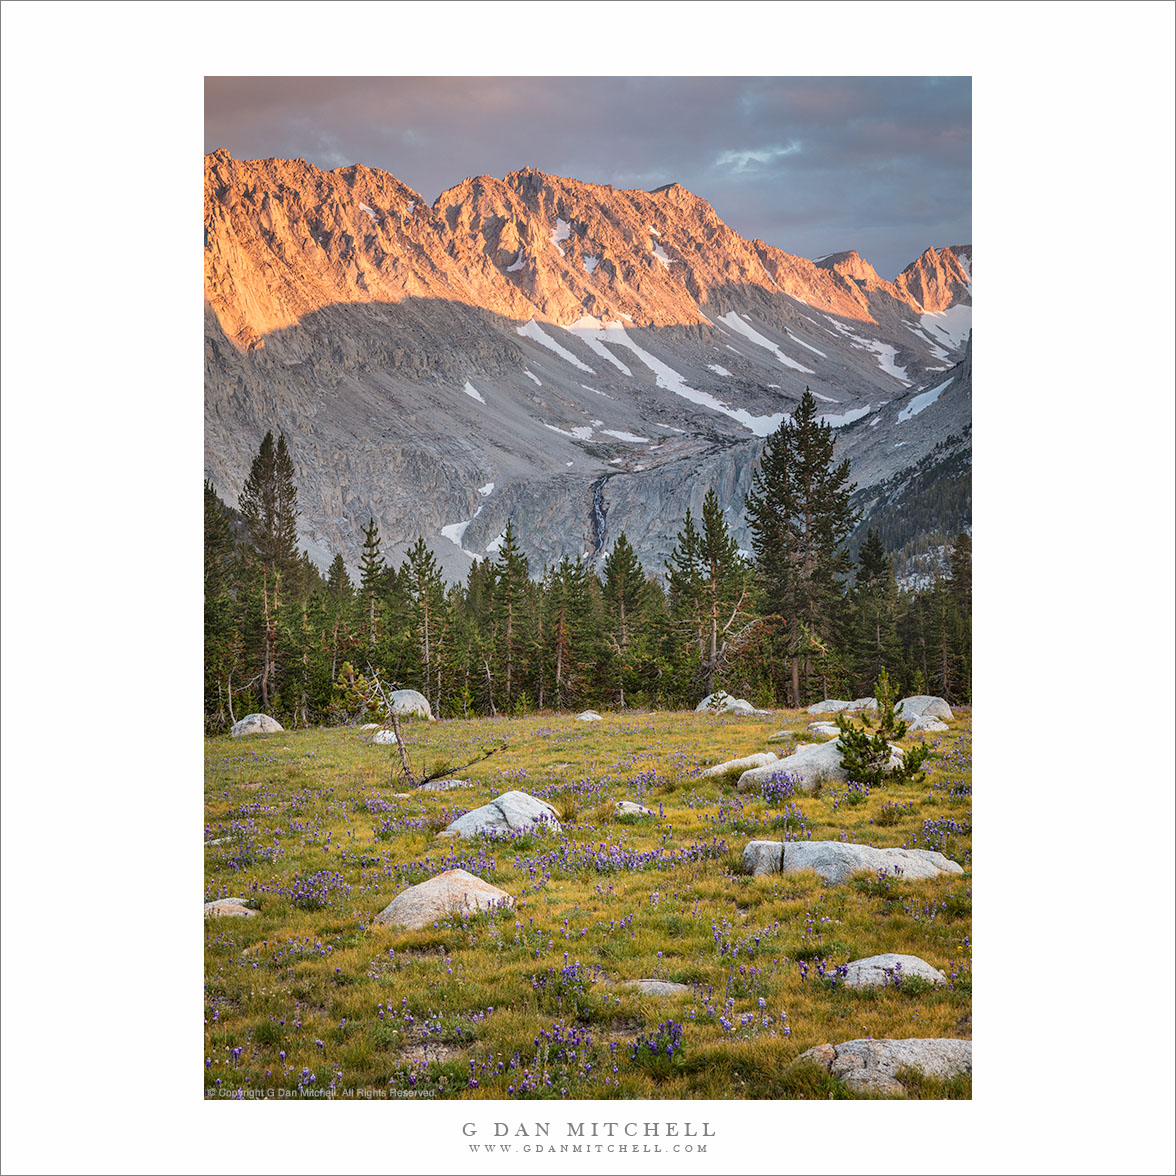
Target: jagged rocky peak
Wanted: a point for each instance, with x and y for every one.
(940, 278)
(849, 264)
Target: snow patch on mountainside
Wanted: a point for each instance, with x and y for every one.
(516, 265)
(673, 381)
(920, 402)
(846, 418)
(732, 320)
(576, 432)
(926, 339)
(455, 533)
(885, 354)
(952, 326)
(596, 333)
(470, 390)
(887, 357)
(532, 330)
(561, 232)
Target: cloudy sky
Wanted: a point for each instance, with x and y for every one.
(813, 165)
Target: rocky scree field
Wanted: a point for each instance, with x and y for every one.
(316, 831)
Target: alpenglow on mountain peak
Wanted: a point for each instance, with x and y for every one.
(596, 356)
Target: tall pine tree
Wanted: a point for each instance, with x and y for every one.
(800, 518)
(427, 620)
(511, 615)
(724, 585)
(269, 504)
(875, 615)
(626, 597)
(708, 587)
(338, 608)
(371, 571)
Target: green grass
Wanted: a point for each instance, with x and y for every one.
(309, 987)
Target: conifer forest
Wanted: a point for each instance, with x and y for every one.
(799, 621)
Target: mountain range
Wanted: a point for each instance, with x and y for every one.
(581, 359)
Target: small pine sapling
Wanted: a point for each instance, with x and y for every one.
(865, 750)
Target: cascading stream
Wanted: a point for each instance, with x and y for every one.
(598, 519)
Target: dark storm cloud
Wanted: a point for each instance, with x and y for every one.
(813, 165)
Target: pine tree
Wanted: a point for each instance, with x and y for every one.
(426, 595)
(800, 518)
(961, 592)
(511, 583)
(708, 586)
(626, 596)
(946, 641)
(866, 756)
(339, 597)
(269, 504)
(571, 633)
(684, 576)
(875, 614)
(220, 568)
(371, 570)
(687, 628)
(724, 584)
(960, 561)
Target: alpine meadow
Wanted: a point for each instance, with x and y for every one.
(587, 641)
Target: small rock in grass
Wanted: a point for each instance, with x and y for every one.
(443, 785)
(927, 723)
(651, 987)
(511, 812)
(879, 970)
(256, 725)
(763, 857)
(830, 706)
(410, 703)
(923, 704)
(813, 764)
(228, 906)
(588, 717)
(722, 703)
(456, 892)
(871, 1065)
(838, 861)
(824, 728)
(385, 736)
(861, 704)
(370, 727)
(748, 761)
(628, 807)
